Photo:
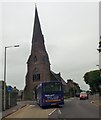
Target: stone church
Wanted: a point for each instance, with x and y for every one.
(38, 64)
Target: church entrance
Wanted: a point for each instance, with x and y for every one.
(35, 93)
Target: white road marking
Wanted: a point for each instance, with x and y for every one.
(32, 105)
(52, 112)
(30, 111)
(59, 111)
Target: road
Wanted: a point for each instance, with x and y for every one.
(73, 108)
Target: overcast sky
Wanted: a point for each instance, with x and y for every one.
(71, 34)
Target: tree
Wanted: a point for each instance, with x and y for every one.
(92, 78)
(99, 49)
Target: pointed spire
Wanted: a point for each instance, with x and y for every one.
(37, 33)
(35, 5)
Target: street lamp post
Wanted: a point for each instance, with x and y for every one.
(5, 74)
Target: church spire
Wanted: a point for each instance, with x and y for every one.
(37, 33)
(38, 64)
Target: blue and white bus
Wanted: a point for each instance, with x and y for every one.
(50, 93)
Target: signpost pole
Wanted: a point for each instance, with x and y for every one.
(9, 89)
(9, 99)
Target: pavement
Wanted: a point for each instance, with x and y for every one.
(19, 105)
(93, 98)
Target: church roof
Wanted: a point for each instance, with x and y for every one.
(57, 77)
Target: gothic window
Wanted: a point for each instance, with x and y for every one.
(36, 74)
(36, 77)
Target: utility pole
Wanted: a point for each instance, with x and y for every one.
(5, 73)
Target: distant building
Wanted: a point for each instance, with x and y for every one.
(38, 64)
(73, 88)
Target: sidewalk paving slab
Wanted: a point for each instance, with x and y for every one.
(19, 105)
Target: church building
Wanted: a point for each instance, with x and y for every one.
(38, 64)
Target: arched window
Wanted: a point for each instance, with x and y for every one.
(36, 74)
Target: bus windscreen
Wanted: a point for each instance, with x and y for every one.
(52, 87)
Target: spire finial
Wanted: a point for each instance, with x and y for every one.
(35, 6)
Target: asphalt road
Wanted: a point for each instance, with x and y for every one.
(73, 108)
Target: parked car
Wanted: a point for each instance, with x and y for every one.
(83, 96)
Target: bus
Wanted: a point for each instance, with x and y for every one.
(50, 93)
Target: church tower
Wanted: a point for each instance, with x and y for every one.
(38, 65)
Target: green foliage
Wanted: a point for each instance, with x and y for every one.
(92, 78)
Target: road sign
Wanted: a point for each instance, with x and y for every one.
(9, 88)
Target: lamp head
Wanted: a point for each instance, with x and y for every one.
(16, 45)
